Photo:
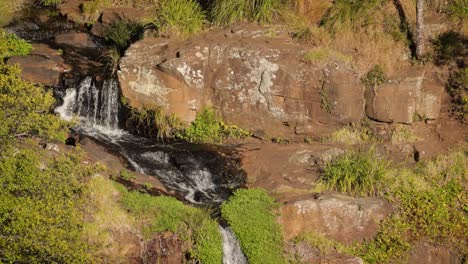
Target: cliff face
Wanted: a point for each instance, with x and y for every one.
(264, 83)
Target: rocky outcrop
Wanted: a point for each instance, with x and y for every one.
(165, 248)
(404, 98)
(259, 84)
(44, 65)
(342, 218)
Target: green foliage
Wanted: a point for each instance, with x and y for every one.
(208, 127)
(227, 12)
(403, 134)
(251, 215)
(355, 173)
(167, 214)
(121, 34)
(458, 90)
(12, 45)
(126, 175)
(458, 9)
(111, 58)
(183, 17)
(25, 109)
(374, 77)
(348, 14)
(40, 217)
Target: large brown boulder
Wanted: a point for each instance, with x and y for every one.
(78, 41)
(44, 65)
(342, 218)
(256, 82)
(404, 97)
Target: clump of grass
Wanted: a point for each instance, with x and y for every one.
(159, 214)
(324, 245)
(349, 136)
(182, 17)
(359, 174)
(375, 77)
(154, 123)
(121, 34)
(403, 134)
(50, 3)
(111, 58)
(251, 215)
(227, 12)
(323, 55)
(345, 14)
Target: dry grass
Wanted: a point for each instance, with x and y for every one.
(348, 136)
(311, 11)
(403, 134)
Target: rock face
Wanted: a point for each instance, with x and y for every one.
(401, 99)
(427, 254)
(259, 85)
(166, 248)
(44, 65)
(76, 40)
(342, 218)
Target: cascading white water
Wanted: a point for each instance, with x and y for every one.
(232, 252)
(180, 170)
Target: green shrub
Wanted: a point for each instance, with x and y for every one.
(449, 46)
(40, 207)
(154, 123)
(168, 214)
(374, 77)
(226, 12)
(25, 109)
(183, 17)
(355, 173)
(458, 9)
(348, 14)
(12, 45)
(208, 127)
(251, 215)
(50, 3)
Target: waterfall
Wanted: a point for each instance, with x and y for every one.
(189, 172)
(232, 252)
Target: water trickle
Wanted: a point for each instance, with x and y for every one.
(232, 252)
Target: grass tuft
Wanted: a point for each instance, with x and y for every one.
(227, 12)
(182, 17)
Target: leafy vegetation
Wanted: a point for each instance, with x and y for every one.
(226, 12)
(40, 216)
(50, 3)
(449, 46)
(12, 45)
(183, 17)
(355, 173)
(251, 215)
(374, 77)
(25, 109)
(154, 123)
(208, 127)
(167, 214)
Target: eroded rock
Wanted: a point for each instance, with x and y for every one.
(259, 85)
(77, 40)
(166, 248)
(342, 218)
(425, 253)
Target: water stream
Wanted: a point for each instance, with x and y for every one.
(197, 174)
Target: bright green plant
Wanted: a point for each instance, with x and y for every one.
(12, 45)
(226, 12)
(374, 77)
(40, 207)
(346, 14)
(355, 173)
(25, 109)
(251, 215)
(183, 17)
(168, 214)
